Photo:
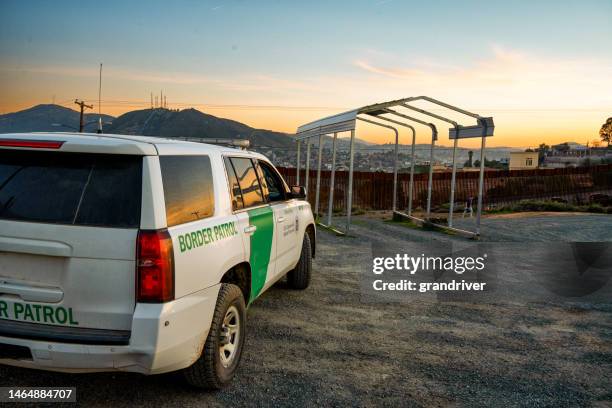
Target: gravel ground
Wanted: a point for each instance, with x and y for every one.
(325, 347)
(577, 227)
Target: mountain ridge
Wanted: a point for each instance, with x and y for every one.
(48, 118)
(148, 122)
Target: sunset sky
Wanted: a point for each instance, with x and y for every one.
(542, 69)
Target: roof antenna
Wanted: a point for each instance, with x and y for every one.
(100, 101)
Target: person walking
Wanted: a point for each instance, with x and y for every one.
(468, 207)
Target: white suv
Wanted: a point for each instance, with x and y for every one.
(140, 254)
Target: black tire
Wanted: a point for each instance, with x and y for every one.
(299, 278)
(209, 372)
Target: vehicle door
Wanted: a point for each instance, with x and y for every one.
(255, 221)
(285, 216)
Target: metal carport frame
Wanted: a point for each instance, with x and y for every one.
(347, 122)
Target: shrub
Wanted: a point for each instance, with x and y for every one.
(552, 206)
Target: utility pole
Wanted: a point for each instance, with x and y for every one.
(151, 100)
(83, 106)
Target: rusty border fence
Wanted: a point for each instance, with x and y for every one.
(373, 191)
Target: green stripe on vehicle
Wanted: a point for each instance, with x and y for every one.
(261, 247)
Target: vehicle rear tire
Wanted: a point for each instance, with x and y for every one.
(299, 278)
(223, 348)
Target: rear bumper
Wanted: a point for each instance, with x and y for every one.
(63, 334)
(164, 337)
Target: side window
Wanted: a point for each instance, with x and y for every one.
(262, 181)
(236, 194)
(248, 181)
(276, 186)
(188, 188)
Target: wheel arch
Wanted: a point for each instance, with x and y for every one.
(312, 234)
(240, 275)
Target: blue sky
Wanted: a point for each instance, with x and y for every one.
(329, 55)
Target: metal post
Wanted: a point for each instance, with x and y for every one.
(297, 181)
(349, 200)
(306, 177)
(330, 207)
(434, 137)
(411, 172)
(396, 153)
(430, 181)
(318, 176)
(480, 184)
(452, 192)
(413, 153)
(395, 170)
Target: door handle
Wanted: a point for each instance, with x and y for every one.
(32, 293)
(281, 219)
(250, 229)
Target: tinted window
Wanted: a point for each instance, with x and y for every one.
(188, 188)
(249, 183)
(69, 188)
(275, 185)
(262, 180)
(235, 193)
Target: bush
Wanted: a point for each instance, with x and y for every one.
(551, 206)
(596, 208)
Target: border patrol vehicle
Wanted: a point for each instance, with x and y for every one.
(140, 254)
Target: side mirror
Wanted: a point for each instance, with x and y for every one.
(298, 192)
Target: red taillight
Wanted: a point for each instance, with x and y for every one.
(154, 267)
(33, 144)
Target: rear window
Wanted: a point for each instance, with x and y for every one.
(188, 188)
(70, 188)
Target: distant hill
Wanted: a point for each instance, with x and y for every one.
(148, 122)
(48, 118)
(193, 123)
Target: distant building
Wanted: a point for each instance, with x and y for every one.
(441, 167)
(569, 149)
(523, 160)
(572, 154)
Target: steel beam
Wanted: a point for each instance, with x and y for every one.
(318, 176)
(480, 184)
(297, 181)
(396, 156)
(452, 192)
(454, 172)
(434, 137)
(411, 183)
(350, 182)
(332, 180)
(307, 176)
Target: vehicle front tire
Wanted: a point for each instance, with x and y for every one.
(223, 348)
(299, 278)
